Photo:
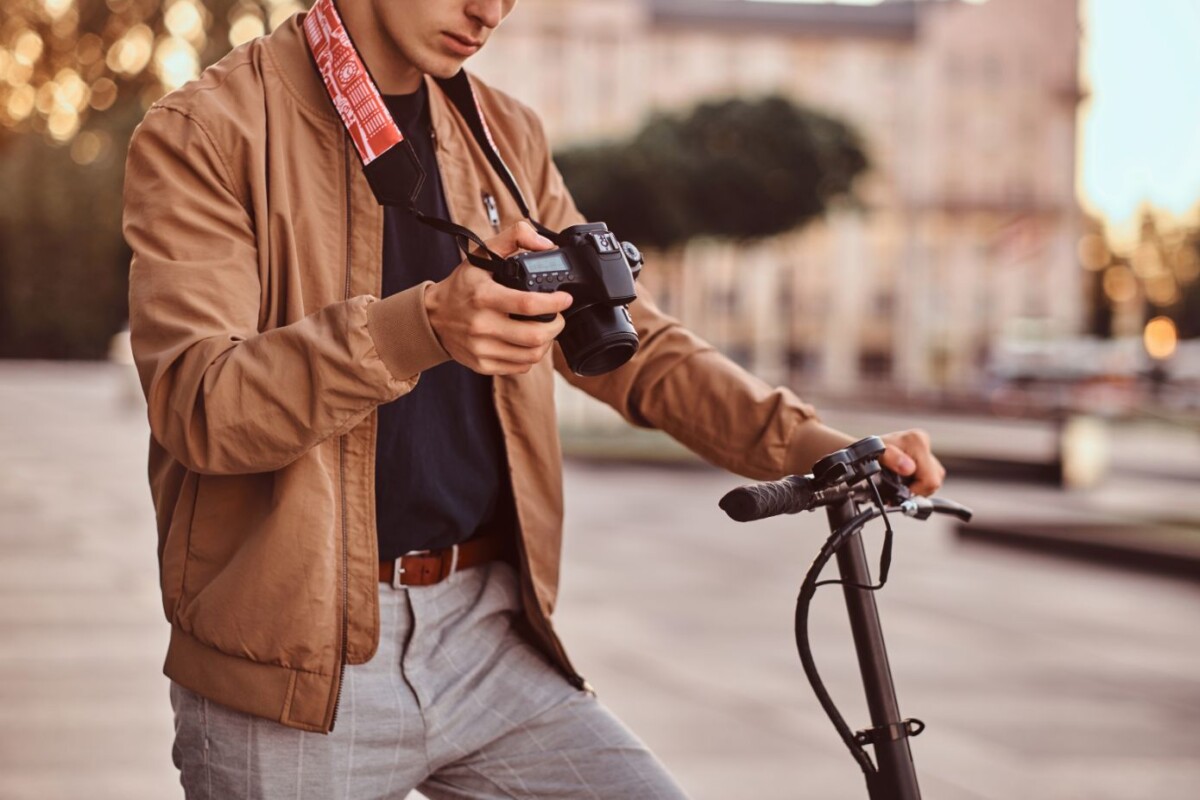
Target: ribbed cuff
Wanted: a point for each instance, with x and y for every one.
(811, 441)
(403, 336)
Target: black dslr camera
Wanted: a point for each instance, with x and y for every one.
(597, 270)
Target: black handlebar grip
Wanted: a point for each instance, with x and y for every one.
(791, 495)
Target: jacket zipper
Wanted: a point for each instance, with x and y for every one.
(493, 213)
(342, 474)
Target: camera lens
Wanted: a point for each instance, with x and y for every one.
(598, 339)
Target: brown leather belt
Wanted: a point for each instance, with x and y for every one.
(426, 567)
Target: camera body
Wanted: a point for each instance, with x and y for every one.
(598, 271)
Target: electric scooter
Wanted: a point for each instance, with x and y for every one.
(853, 489)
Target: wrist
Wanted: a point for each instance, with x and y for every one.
(403, 333)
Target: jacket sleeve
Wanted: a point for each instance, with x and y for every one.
(682, 385)
(224, 397)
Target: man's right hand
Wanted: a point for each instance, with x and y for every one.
(469, 312)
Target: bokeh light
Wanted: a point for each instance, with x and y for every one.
(62, 63)
(62, 123)
(89, 146)
(1162, 291)
(89, 48)
(21, 102)
(1160, 338)
(57, 8)
(27, 48)
(175, 62)
(245, 27)
(280, 11)
(103, 94)
(72, 90)
(1093, 252)
(1120, 284)
(1146, 260)
(185, 19)
(131, 53)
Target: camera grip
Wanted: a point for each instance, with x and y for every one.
(534, 318)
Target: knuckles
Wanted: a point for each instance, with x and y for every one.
(919, 435)
(477, 326)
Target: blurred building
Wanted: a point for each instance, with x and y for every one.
(969, 113)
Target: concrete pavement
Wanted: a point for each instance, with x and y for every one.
(1038, 678)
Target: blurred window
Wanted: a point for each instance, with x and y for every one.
(875, 365)
(799, 361)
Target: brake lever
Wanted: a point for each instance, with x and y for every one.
(893, 488)
(923, 508)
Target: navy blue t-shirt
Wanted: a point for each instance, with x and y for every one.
(440, 467)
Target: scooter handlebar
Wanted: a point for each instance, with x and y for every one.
(797, 493)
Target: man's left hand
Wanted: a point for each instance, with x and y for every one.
(908, 454)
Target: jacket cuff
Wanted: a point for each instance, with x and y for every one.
(403, 337)
(811, 441)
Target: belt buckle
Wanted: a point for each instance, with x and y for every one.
(397, 573)
(398, 569)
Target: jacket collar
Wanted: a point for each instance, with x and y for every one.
(288, 51)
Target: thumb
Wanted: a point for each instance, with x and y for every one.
(521, 236)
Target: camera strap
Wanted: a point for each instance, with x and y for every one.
(389, 161)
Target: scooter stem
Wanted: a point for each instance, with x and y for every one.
(896, 776)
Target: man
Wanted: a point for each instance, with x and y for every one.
(329, 389)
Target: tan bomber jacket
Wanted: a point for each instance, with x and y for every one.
(263, 350)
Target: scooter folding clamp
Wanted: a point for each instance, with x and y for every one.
(891, 732)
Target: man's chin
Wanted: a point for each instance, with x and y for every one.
(442, 65)
(446, 67)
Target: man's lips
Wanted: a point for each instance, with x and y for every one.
(462, 45)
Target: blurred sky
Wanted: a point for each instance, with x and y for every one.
(1141, 134)
(1140, 131)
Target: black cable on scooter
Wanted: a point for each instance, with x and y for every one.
(808, 589)
(885, 557)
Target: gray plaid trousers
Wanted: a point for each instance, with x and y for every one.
(455, 703)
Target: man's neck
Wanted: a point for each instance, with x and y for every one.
(392, 72)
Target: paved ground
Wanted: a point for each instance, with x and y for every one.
(1039, 678)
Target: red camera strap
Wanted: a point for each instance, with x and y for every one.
(394, 173)
(351, 89)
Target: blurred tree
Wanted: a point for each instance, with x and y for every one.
(75, 78)
(739, 169)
